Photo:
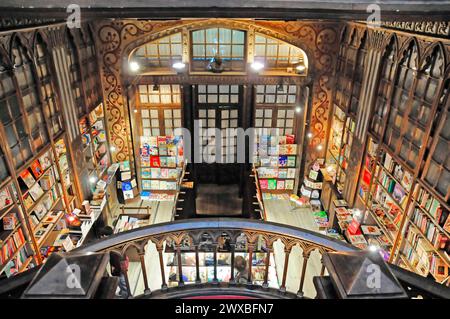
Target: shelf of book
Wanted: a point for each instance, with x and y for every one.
(275, 162)
(395, 198)
(223, 267)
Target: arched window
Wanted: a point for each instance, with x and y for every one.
(51, 108)
(30, 97)
(278, 55)
(75, 74)
(403, 85)
(358, 76)
(384, 88)
(218, 43)
(160, 54)
(12, 119)
(419, 110)
(88, 60)
(437, 169)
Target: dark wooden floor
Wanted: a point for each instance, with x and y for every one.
(218, 200)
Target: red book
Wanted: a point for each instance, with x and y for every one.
(290, 139)
(155, 161)
(353, 228)
(36, 168)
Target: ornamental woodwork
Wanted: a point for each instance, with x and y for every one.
(117, 39)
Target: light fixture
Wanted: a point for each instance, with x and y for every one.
(134, 66)
(257, 66)
(112, 148)
(373, 248)
(92, 179)
(319, 147)
(357, 213)
(300, 68)
(135, 111)
(298, 109)
(179, 65)
(310, 135)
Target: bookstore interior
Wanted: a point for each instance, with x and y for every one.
(334, 127)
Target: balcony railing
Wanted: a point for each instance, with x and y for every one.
(151, 246)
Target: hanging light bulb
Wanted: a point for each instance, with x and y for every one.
(134, 66)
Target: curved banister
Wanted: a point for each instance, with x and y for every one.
(218, 224)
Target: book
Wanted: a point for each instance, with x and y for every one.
(36, 169)
(125, 166)
(36, 191)
(45, 160)
(272, 183)
(280, 184)
(291, 161)
(28, 201)
(155, 161)
(370, 230)
(5, 198)
(264, 184)
(27, 178)
(10, 221)
(282, 161)
(291, 173)
(289, 184)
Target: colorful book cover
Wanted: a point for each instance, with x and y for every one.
(146, 185)
(154, 184)
(291, 161)
(155, 172)
(145, 173)
(291, 173)
(125, 166)
(290, 149)
(272, 183)
(173, 173)
(282, 161)
(282, 140)
(27, 178)
(36, 191)
(289, 184)
(28, 201)
(45, 161)
(290, 139)
(370, 230)
(164, 173)
(163, 150)
(36, 169)
(263, 183)
(5, 198)
(155, 161)
(280, 184)
(282, 173)
(171, 161)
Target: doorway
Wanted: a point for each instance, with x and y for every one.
(218, 114)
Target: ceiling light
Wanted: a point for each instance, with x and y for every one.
(134, 66)
(135, 111)
(319, 147)
(179, 65)
(309, 135)
(92, 179)
(300, 68)
(298, 109)
(257, 66)
(112, 148)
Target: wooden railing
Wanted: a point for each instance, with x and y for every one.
(217, 235)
